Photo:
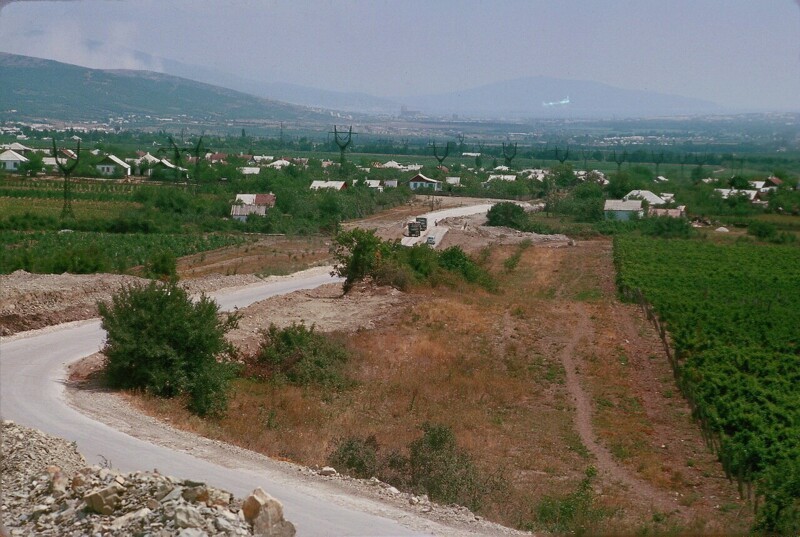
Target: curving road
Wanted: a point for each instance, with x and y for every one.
(438, 232)
(32, 373)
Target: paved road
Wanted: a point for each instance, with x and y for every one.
(32, 372)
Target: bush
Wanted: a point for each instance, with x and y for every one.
(573, 513)
(301, 356)
(358, 456)
(762, 230)
(506, 214)
(161, 341)
(161, 265)
(360, 254)
(443, 471)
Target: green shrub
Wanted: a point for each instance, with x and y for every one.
(161, 341)
(356, 455)
(162, 265)
(573, 513)
(506, 214)
(443, 471)
(301, 356)
(762, 230)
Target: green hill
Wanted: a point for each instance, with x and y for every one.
(34, 88)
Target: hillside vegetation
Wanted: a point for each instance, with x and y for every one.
(731, 312)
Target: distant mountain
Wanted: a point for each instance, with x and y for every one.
(280, 91)
(38, 88)
(551, 97)
(532, 97)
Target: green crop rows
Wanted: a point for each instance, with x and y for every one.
(733, 314)
(87, 252)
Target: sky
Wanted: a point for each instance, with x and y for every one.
(741, 54)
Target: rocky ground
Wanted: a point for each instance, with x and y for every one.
(48, 489)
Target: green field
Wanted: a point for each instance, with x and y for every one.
(86, 252)
(733, 317)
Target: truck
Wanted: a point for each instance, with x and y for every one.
(423, 222)
(413, 229)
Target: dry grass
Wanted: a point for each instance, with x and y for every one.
(276, 255)
(488, 366)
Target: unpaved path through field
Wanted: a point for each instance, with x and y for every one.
(581, 333)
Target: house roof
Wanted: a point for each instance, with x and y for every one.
(266, 200)
(16, 146)
(501, 177)
(12, 156)
(250, 170)
(335, 185)
(646, 195)
(727, 192)
(419, 178)
(280, 163)
(623, 205)
(244, 210)
(116, 160)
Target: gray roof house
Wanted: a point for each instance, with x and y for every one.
(622, 209)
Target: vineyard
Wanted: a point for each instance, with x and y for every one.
(86, 252)
(732, 316)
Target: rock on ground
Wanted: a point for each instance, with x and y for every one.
(49, 490)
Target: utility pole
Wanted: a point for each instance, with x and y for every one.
(658, 159)
(446, 152)
(561, 157)
(620, 159)
(508, 155)
(342, 142)
(66, 170)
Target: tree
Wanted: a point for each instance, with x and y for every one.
(161, 341)
(34, 165)
(356, 255)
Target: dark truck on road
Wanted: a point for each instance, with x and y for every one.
(414, 229)
(423, 222)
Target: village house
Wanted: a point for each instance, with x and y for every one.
(725, 193)
(502, 177)
(112, 165)
(10, 160)
(247, 204)
(373, 183)
(332, 185)
(456, 181)
(279, 164)
(622, 209)
(645, 195)
(677, 212)
(249, 170)
(420, 181)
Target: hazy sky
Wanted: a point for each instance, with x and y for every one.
(738, 53)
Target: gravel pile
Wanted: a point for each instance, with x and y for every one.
(48, 490)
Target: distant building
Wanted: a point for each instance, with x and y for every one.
(645, 195)
(112, 165)
(250, 170)
(622, 209)
(247, 204)
(332, 185)
(419, 181)
(10, 160)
